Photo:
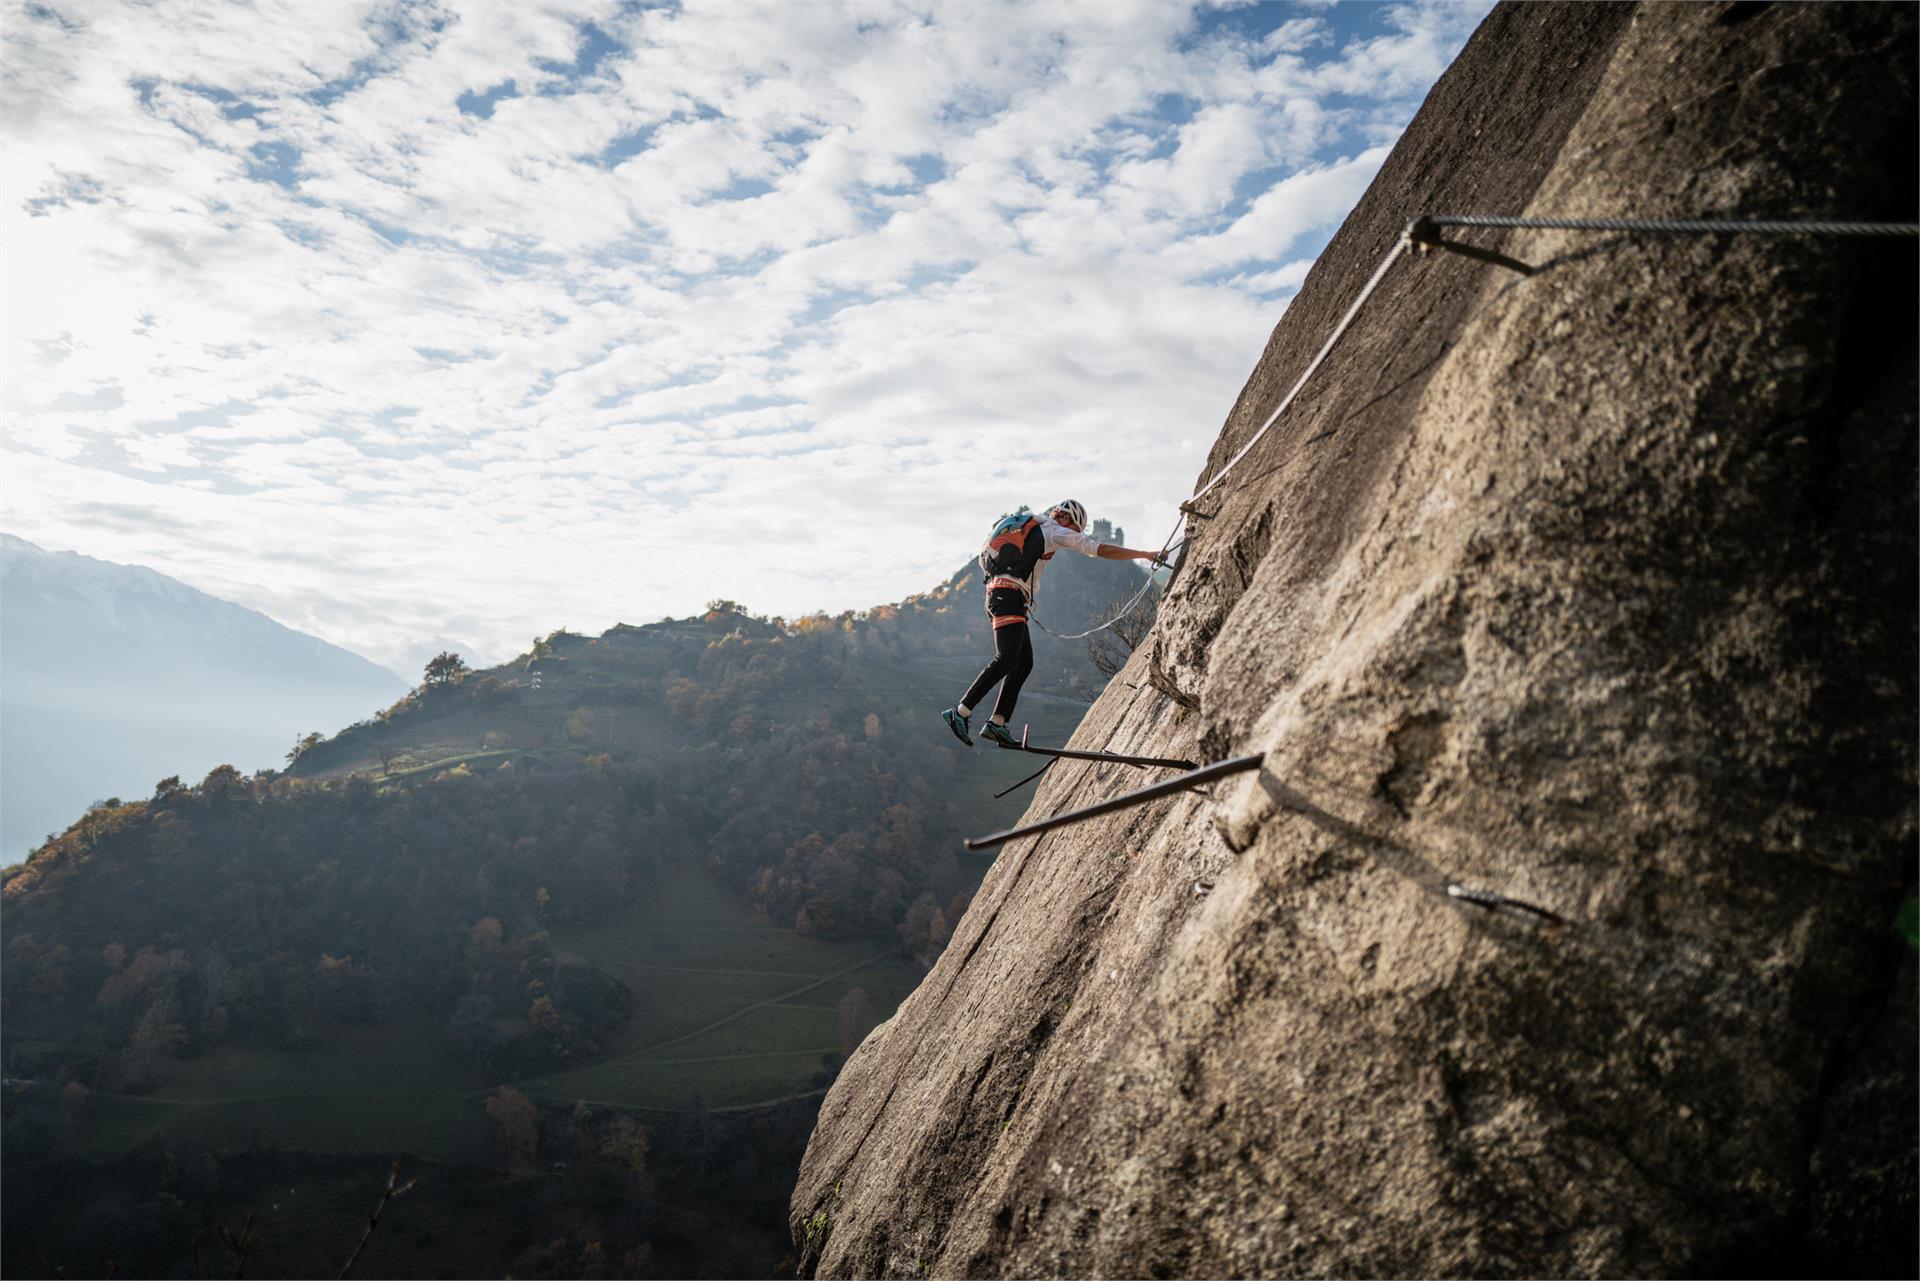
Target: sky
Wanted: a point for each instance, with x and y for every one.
(414, 325)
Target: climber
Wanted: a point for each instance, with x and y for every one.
(1014, 554)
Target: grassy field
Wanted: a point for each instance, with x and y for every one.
(393, 1086)
(442, 1125)
(724, 1008)
(726, 1011)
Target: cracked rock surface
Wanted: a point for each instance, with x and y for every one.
(1594, 589)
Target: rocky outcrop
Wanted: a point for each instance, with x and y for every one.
(1595, 589)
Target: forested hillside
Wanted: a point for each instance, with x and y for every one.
(471, 877)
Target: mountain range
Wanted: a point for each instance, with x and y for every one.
(113, 676)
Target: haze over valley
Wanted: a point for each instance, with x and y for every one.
(113, 677)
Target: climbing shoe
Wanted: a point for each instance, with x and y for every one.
(1000, 734)
(958, 724)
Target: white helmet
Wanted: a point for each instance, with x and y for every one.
(1072, 511)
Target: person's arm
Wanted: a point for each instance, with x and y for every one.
(1059, 535)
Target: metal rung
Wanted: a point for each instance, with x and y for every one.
(1113, 757)
(1206, 774)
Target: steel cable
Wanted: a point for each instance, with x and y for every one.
(1649, 226)
(1676, 226)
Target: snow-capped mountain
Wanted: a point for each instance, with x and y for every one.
(114, 676)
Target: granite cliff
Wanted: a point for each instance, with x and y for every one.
(1595, 589)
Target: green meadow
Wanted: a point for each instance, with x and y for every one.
(725, 1009)
(388, 1087)
(728, 1013)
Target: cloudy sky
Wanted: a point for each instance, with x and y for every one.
(407, 323)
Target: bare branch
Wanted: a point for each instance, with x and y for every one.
(395, 1189)
(1110, 649)
(238, 1245)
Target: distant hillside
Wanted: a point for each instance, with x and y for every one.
(113, 676)
(662, 878)
(784, 743)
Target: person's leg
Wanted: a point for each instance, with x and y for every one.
(1007, 649)
(1019, 668)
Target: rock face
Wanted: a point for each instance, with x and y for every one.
(1595, 589)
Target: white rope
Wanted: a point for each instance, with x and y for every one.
(1656, 226)
(1379, 274)
(1124, 609)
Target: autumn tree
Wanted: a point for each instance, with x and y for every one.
(148, 981)
(222, 780)
(486, 951)
(50, 972)
(446, 668)
(340, 987)
(155, 1036)
(623, 1145)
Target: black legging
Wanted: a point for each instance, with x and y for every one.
(1012, 662)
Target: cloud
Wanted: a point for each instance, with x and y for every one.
(477, 320)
